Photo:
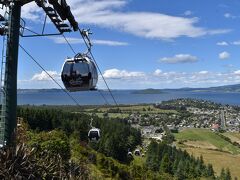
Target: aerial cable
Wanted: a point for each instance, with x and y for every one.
(35, 33)
(25, 28)
(91, 121)
(89, 45)
(85, 35)
(105, 99)
(109, 90)
(49, 74)
(69, 44)
(92, 133)
(55, 80)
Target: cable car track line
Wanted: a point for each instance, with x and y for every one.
(105, 99)
(69, 44)
(90, 52)
(72, 49)
(104, 80)
(49, 74)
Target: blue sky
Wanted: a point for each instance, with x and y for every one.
(143, 43)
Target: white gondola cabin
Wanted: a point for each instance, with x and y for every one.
(94, 134)
(137, 152)
(130, 154)
(79, 73)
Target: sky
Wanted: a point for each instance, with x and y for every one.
(141, 44)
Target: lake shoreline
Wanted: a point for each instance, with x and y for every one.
(124, 97)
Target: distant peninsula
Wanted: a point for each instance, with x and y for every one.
(148, 91)
(223, 89)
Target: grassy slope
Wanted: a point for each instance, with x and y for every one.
(136, 108)
(218, 160)
(103, 168)
(113, 115)
(209, 137)
(230, 159)
(235, 137)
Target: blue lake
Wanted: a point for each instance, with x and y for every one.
(122, 97)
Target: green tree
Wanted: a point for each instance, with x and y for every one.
(152, 156)
(180, 170)
(223, 174)
(169, 137)
(228, 175)
(54, 142)
(165, 164)
(210, 171)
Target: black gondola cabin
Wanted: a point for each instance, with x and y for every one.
(79, 73)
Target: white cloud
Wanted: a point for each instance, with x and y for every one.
(109, 14)
(229, 15)
(218, 31)
(32, 12)
(203, 72)
(60, 40)
(236, 42)
(237, 72)
(43, 76)
(157, 72)
(224, 55)
(170, 79)
(29, 11)
(125, 79)
(144, 24)
(109, 43)
(179, 58)
(151, 25)
(119, 74)
(188, 13)
(222, 43)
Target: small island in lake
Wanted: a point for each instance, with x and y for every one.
(148, 91)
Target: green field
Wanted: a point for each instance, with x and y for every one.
(209, 137)
(142, 109)
(215, 150)
(113, 115)
(218, 160)
(235, 137)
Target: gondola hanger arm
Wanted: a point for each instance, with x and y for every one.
(85, 33)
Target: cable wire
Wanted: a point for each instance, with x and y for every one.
(49, 74)
(109, 90)
(71, 47)
(90, 52)
(69, 44)
(105, 99)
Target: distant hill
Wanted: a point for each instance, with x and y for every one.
(38, 90)
(227, 88)
(148, 91)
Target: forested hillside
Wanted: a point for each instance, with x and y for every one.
(117, 135)
(57, 147)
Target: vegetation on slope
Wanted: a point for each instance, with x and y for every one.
(176, 162)
(214, 148)
(206, 135)
(61, 147)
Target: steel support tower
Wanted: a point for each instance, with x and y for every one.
(9, 99)
(58, 12)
